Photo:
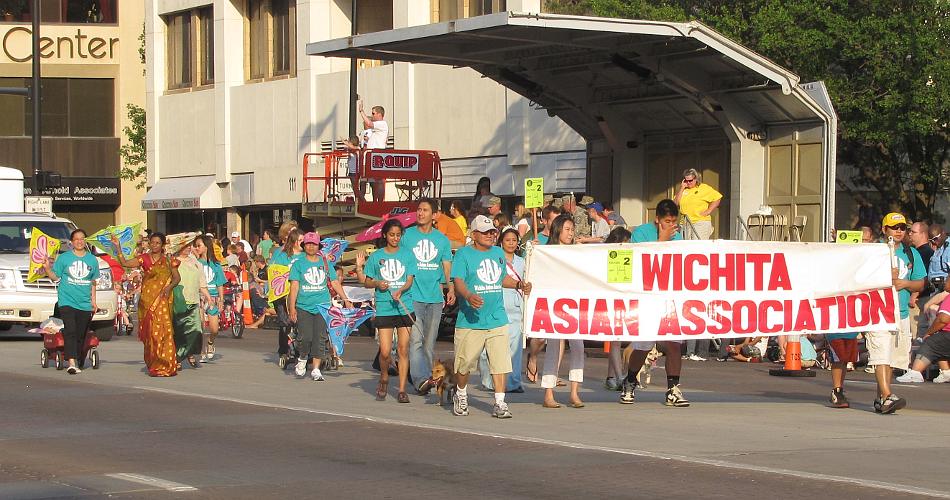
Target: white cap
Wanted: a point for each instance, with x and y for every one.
(482, 224)
(235, 234)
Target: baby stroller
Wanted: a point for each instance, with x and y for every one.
(53, 345)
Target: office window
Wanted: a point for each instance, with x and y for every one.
(189, 38)
(66, 11)
(72, 107)
(281, 41)
(270, 32)
(448, 10)
(206, 47)
(179, 50)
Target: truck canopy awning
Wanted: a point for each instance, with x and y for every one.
(659, 76)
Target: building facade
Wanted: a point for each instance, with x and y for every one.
(234, 104)
(92, 69)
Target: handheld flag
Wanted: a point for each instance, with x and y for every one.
(278, 277)
(127, 235)
(342, 322)
(42, 247)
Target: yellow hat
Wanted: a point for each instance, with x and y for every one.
(893, 218)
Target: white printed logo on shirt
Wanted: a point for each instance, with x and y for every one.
(425, 251)
(79, 271)
(391, 270)
(315, 277)
(209, 274)
(489, 272)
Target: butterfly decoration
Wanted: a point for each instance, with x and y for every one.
(278, 280)
(42, 248)
(332, 249)
(127, 235)
(343, 321)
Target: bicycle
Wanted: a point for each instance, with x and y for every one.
(232, 314)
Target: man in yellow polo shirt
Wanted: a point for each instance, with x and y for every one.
(697, 201)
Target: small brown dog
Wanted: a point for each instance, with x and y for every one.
(443, 376)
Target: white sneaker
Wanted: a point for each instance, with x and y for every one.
(203, 359)
(943, 378)
(317, 375)
(301, 368)
(694, 357)
(911, 377)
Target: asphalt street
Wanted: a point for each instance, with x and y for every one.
(241, 428)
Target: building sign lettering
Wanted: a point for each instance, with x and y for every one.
(81, 191)
(17, 45)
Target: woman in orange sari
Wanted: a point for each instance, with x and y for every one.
(155, 318)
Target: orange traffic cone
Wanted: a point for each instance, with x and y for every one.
(793, 360)
(246, 297)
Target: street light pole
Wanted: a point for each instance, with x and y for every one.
(353, 67)
(35, 96)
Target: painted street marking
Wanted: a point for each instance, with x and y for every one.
(154, 482)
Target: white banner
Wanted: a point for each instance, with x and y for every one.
(707, 289)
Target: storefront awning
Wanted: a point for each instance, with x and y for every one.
(183, 193)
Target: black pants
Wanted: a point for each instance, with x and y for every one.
(283, 328)
(75, 326)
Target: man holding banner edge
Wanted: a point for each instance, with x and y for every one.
(664, 228)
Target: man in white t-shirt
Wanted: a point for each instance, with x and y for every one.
(236, 239)
(375, 134)
(375, 123)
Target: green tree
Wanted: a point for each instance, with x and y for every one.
(133, 152)
(885, 62)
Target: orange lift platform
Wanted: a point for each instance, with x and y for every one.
(401, 177)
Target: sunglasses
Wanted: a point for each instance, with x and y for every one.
(897, 227)
(688, 180)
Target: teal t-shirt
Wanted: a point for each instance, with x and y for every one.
(76, 275)
(313, 280)
(430, 250)
(836, 336)
(483, 273)
(903, 272)
(214, 276)
(648, 232)
(283, 259)
(542, 239)
(395, 268)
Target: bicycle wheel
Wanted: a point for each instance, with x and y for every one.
(237, 328)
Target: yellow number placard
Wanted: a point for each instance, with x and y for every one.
(619, 266)
(849, 237)
(534, 192)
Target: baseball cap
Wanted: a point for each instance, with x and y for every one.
(311, 237)
(894, 218)
(597, 206)
(235, 234)
(482, 224)
(494, 200)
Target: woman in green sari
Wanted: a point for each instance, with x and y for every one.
(186, 314)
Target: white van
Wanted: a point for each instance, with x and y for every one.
(30, 303)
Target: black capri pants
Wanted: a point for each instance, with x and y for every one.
(75, 325)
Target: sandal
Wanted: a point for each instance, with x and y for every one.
(402, 397)
(381, 390)
(531, 375)
(561, 383)
(192, 361)
(551, 405)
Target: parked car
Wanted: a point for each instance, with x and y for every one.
(30, 303)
